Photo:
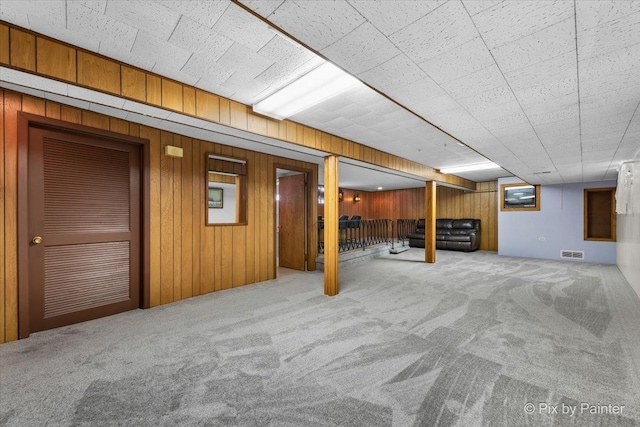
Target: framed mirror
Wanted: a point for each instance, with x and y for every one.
(226, 192)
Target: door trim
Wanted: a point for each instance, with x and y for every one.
(26, 121)
(311, 212)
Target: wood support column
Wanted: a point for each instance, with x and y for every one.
(430, 222)
(331, 225)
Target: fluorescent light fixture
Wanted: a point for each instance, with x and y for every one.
(470, 168)
(379, 188)
(527, 197)
(320, 84)
(520, 187)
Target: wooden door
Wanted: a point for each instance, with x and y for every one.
(84, 226)
(292, 221)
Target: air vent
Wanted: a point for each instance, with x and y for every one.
(571, 254)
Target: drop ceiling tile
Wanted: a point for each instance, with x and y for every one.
(204, 66)
(152, 48)
(114, 35)
(620, 33)
(474, 7)
(512, 20)
(243, 87)
(390, 17)
(593, 14)
(168, 70)
(211, 84)
(281, 73)
(627, 59)
(421, 91)
(263, 7)
(244, 28)
(150, 17)
(623, 81)
(244, 61)
(557, 68)
(458, 62)
(318, 24)
(491, 97)
(397, 72)
(97, 5)
(51, 11)
(476, 83)
(192, 36)
(440, 31)
(517, 118)
(282, 51)
(110, 51)
(9, 14)
(205, 13)
(362, 49)
(546, 44)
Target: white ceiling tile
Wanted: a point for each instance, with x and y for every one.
(619, 34)
(211, 84)
(151, 17)
(395, 73)
(244, 61)
(114, 35)
(474, 6)
(167, 70)
(243, 87)
(97, 5)
(418, 92)
(9, 14)
(205, 13)
(485, 101)
(244, 28)
(440, 31)
(549, 91)
(595, 13)
(390, 17)
(476, 83)
(110, 51)
(538, 47)
(263, 7)
(512, 20)
(362, 49)
(152, 48)
(458, 62)
(615, 62)
(318, 23)
(192, 36)
(557, 68)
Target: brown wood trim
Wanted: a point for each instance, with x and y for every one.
(243, 188)
(344, 147)
(311, 183)
(28, 120)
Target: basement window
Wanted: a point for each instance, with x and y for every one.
(519, 196)
(599, 214)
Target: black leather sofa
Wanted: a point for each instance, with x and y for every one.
(452, 234)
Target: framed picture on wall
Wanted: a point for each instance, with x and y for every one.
(215, 198)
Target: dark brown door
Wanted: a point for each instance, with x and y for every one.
(292, 222)
(84, 226)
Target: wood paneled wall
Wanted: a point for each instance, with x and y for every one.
(187, 257)
(451, 203)
(350, 208)
(28, 51)
(398, 204)
(481, 204)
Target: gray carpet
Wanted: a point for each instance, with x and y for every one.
(468, 341)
